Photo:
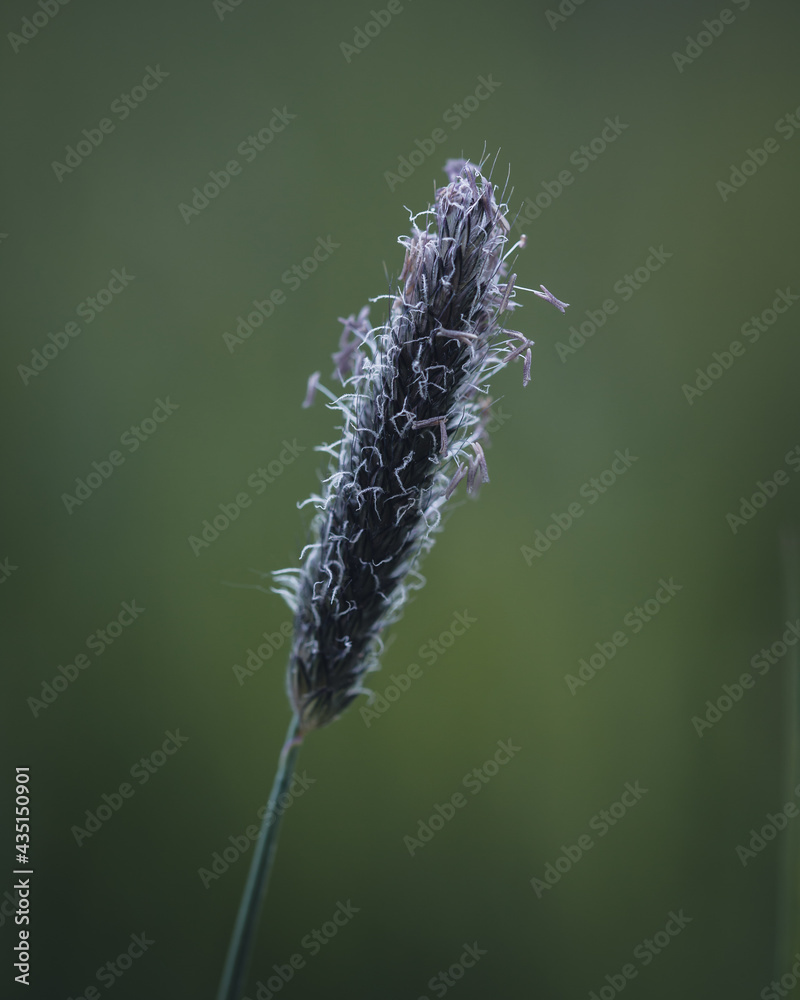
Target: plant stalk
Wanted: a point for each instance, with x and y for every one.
(240, 949)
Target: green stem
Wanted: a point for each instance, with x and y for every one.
(232, 984)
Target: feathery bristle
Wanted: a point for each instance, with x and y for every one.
(410, 412)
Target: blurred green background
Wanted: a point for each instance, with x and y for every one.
(161, 338)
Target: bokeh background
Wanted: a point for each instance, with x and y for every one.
(67, 573)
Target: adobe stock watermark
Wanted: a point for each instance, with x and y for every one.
(446, 980)
(379, 19)
(626, 288)
(582, 158)
(313, 943)
(429, 652)
(474, 781)
(248, 149)
(756, 158)
(121, 107)
(761, 663)
(784, 986)
(142, 771)
(108, 973)
(454, 117)
(131, 439)
(258, 656)
(10, 905)
(259, 481)
(6, 569)
(89, 309)
(635, 620)
(766, 490)
(221, 7)
(293, 277)
(752, 330)
(775, 823)
(591, 491)
(31, 26)
(697, 44)
(97, 642)
(564, 10)
(493, 416)
(239, 844)
(601, 823)
(644, 953)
